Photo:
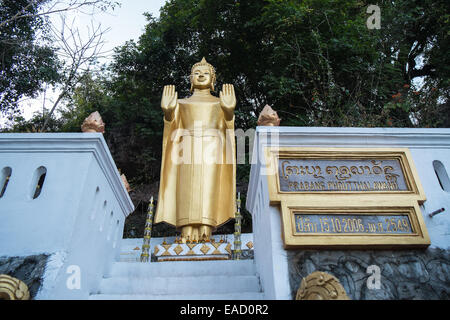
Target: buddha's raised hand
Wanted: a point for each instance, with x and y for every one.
(227, 100)
(169, 101)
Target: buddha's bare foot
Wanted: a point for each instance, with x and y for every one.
(195, 234)
(205, 232)
(186, 234)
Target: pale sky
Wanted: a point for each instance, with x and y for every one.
(128, 21)
(125, 22)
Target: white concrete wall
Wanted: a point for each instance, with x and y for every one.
(79, 216)
(426, 146)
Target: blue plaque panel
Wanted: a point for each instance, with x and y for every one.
(361, 224)
(347, 175)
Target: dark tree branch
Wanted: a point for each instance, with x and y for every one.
(66, 6)
(79, 52)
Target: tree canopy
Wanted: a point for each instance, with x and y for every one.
(35, 54)
(25, 64)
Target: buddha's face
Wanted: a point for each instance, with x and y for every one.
(201, 77)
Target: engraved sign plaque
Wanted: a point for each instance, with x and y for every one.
(372, 226)
(347, 197)
(309, 175)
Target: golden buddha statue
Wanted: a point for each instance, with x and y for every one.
(198, 168)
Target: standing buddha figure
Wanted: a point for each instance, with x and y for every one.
(198, 167)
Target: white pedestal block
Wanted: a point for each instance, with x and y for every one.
(430, 149)
(77, 216)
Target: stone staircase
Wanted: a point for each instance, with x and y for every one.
(181, 280)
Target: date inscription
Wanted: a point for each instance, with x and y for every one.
(352, 224)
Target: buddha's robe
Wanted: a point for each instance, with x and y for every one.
(198, 168)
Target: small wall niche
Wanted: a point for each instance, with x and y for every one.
(116, 234)
(105, 203)
(37, 183)
(5, 176)
(441, 175)
(95, 203)
(108, 237)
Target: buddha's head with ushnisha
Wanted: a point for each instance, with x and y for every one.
(203, 75)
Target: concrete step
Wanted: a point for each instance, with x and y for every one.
(183, 268)
(224, 296)
(179, 285)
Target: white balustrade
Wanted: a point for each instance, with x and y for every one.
(430, 149)
(61, 194)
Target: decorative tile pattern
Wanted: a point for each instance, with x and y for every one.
(191, 252)
(178, 249)
(205, 249)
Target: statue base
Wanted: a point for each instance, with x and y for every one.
(193, 251)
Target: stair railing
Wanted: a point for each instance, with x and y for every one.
(147, 233)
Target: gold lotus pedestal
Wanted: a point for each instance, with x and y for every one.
(193, 251)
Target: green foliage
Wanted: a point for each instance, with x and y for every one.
(25, 63)
(34, 124)
(315, 62)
